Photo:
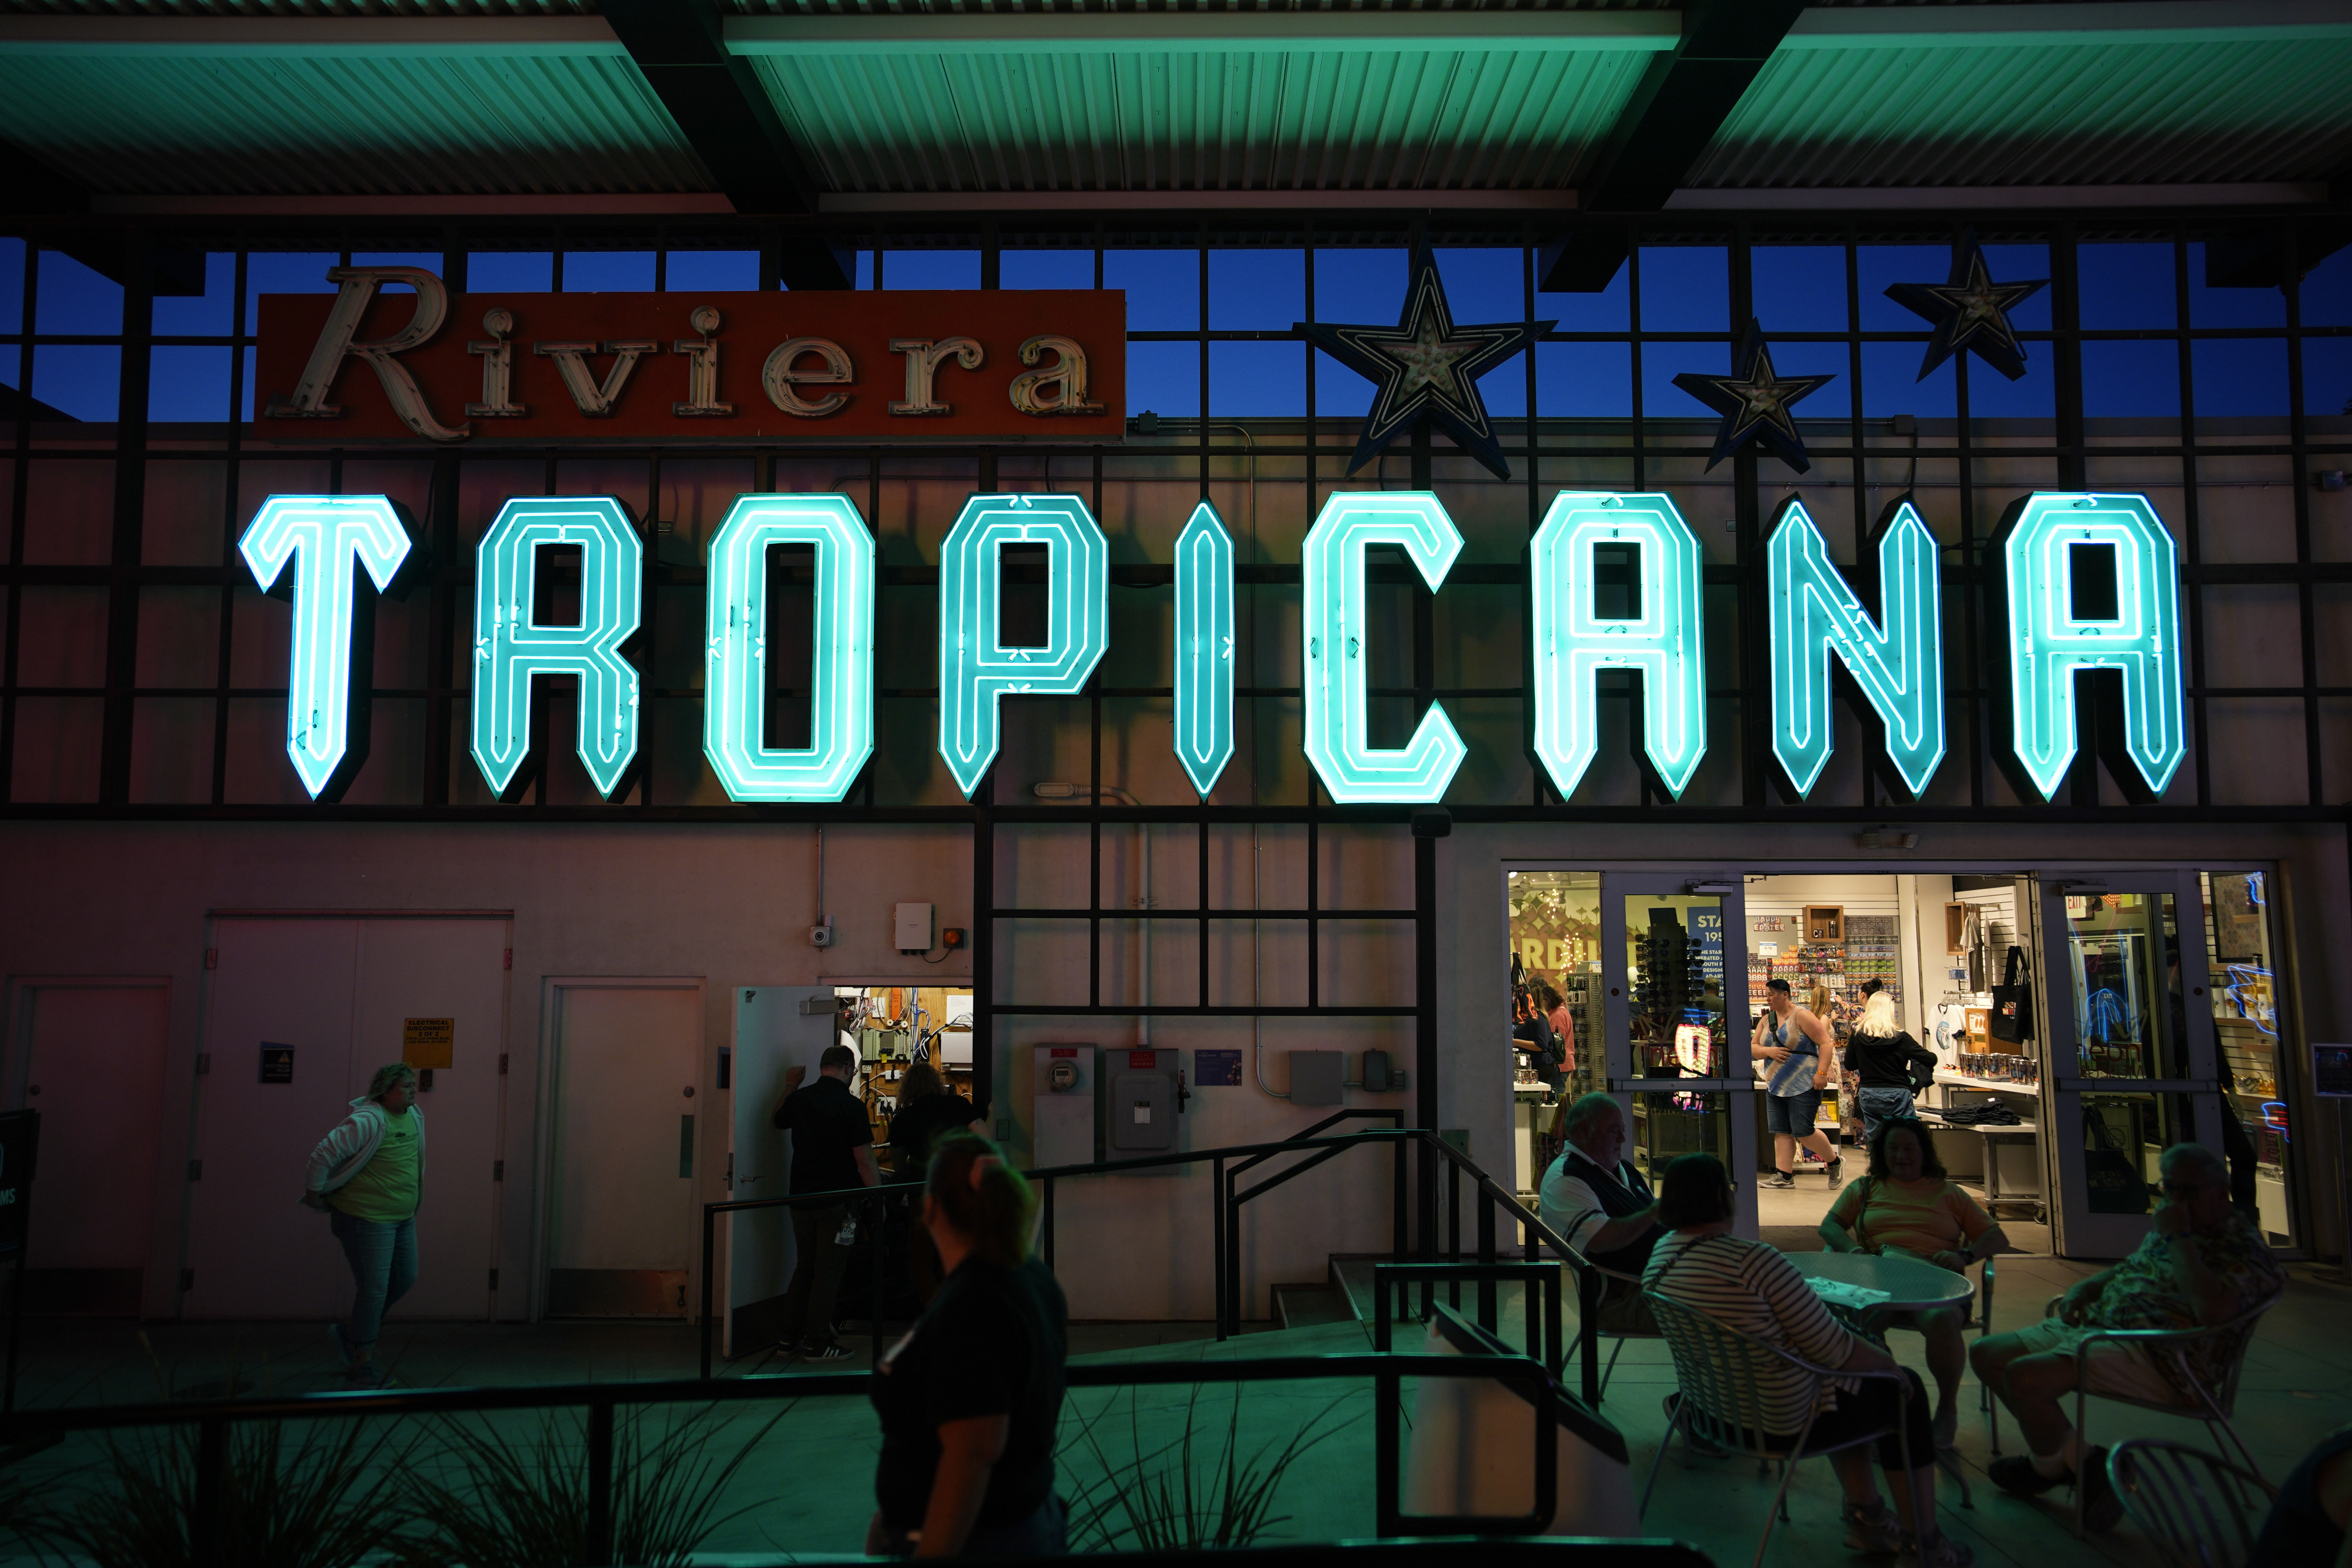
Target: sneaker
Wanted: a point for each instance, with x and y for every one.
(2102, 1509)
(1778, 1179)
(1835, 1170)
(1946, 1554)
(1947, 1428)
(2015, 1473)
(342, 1345)
(1874, 1533)
(1699, 1444)
(833, 1350)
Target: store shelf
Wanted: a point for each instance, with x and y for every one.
(2006, 1086)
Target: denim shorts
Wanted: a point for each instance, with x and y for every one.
(1792, 1113)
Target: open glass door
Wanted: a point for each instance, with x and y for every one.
(1673, 1060)
(2130, 1036)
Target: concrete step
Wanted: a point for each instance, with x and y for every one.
(1309, 1305)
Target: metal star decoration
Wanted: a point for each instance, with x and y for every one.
(1425, 364)
(1969, 310)
(1755, 403)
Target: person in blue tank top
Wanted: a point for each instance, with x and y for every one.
(1797, 1048)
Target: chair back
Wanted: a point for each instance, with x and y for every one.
(2201, 1510)
(1721, 1370)
(2234, 1337)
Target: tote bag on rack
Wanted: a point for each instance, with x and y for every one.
(2012, 1003)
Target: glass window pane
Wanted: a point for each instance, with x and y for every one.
(1339, 392)
(1556, 942)
(285, 272)
(1163, 288)
(81, 381)
(2126, 285)
(2123, 983)
(718, 270)
(1661, 362)
(1260, 290)
(2239, 376)
(2327, 375)
(1609, 311)
(2124, 1136)
(207, 314)
(12, 286)
(608, 271)
(2034, 396)
(1257, 380)
(931, 270)
(1045, 268)
(1685, 289)
(1892, 385)
(1667, 1125)
(1584, 381)
(75, 299)
(1487, 284)
(2327, 290)
(1505, 389)
(1673, 981)
(2130, 380)
(186, 383)
(1164, 378)
(2242, 984)
(2262, 306)
(1799, 288)
(510, 272)
(1368, 287)
(1880, 265)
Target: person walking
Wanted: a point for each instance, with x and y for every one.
(1563, 1036)
(971, 1397)
(1797, 1043)
(928, 1111)
(1887, 1064)
(832, 1151)
(367, 1175)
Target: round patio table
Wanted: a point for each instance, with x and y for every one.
(1864, 1282)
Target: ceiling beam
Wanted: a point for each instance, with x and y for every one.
(302, 38)
(2108, 22)
(1205, 32)
(1683, 98)
(728, 119)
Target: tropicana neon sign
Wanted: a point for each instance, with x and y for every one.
(316, 547)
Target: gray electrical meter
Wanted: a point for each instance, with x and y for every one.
(1142, 1094)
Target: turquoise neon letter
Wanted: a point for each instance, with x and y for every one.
(1334, 624)
(326, 685)
(2047, 645)
(1569, 645)
(509, 647)
(1899, 662)
(975, 670)
(841, 668)
(1204, 648)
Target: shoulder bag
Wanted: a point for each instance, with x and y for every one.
(2012, 1003)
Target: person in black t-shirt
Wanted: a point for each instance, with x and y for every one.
(928, 1111)
(970, 1399)
(833, 1149)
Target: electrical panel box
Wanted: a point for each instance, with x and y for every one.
(1062, 1105)
(1141, 1097)
(913, 924)
(1376, 1072)
(1317, 1077)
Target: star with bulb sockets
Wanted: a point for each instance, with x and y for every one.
(1426, 365)
(1969, 310)
(1755, 403)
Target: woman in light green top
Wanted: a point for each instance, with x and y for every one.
(368, 1175)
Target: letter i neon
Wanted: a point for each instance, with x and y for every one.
(1204, 648)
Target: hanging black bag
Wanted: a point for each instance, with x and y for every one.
(2012, 1003)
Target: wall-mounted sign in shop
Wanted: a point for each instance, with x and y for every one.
(2085, 582)
(368, 362)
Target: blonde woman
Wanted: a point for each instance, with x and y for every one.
(1885, 1064)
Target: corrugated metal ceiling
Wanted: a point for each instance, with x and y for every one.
(1256, 121)
(2051, 114)
(349, 124)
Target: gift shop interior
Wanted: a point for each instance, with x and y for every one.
(2049, 1005)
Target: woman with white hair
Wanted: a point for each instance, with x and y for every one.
(1887, 1063)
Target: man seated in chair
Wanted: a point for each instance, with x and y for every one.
(1595, 1200)
(2200, 1265)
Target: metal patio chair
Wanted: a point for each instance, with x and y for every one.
(1719, 1370)
(1577, 1265)
(2201, 1510)
(2214, 1406)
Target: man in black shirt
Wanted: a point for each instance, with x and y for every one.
(833, 1149)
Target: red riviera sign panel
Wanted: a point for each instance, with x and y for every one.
(963, 364)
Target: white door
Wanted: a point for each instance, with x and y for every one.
(777, 1027)
(89, 1058)
(454, 970)
(335, 991)
(622, 1223)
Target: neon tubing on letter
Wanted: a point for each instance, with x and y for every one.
(1204, 648)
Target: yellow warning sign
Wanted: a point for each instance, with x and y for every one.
(427, 1042)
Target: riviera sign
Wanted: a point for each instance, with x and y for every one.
(316, 547)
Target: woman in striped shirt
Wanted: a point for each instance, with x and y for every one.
(1748, 1286)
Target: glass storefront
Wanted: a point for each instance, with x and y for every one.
(2242, 986)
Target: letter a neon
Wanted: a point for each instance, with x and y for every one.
(333, 642)
(1569, 643)
(1897, 661)
(511, 647)
(2047, 644)
(841, 665)
(1335, 621)
(1204, 648)
(975, 670)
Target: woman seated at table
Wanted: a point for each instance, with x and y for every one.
(1907, 1208)
(1749, 1286)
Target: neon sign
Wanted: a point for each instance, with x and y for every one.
(2048, 643)
(1204, 648)
(1335, 621)
(333, 651)
(975, 669)
(511, 645)
(841, 664)
(1570, 642)
(1897, 660)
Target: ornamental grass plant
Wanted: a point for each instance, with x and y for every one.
(1195, 1492)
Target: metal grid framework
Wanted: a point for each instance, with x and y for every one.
(1540, 456)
